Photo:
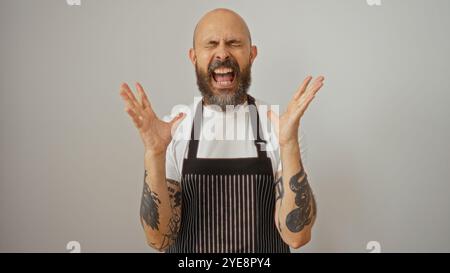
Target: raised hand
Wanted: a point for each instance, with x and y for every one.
(155, 133)
(286, 126)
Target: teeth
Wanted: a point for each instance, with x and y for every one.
(223, 70)
(224, 83)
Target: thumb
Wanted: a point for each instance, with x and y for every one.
(176, 121)
(274, 119)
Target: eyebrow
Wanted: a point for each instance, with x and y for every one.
(234, 41)
(228, 41)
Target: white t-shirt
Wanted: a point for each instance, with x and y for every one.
(224, 134)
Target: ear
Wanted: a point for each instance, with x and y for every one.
(253, 53)
(192, 56)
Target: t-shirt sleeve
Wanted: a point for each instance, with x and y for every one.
(176, 148)
(172, 172)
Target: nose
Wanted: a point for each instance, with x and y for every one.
(222, 53)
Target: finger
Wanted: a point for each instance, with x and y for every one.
(132, 98)
(139, 98)
(176, 121)
(136, 120)
(318, 83)
(141, 95)
(133, 114)
(144, 99)
(311, 91)
(309, 101)
(316, 87)
(274, 119)
(306, 101)
(301, 110)
(307, 97)
(302, 88)
(126, 99)
(130, 93)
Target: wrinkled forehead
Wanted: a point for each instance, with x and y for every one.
(218, 34)
(221, 27)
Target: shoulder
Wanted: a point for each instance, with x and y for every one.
(263, 108)
(261, 103)
(182, 133)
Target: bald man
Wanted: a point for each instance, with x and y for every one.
(214, 195)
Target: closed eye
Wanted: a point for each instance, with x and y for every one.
(234, 43)
(212, 44)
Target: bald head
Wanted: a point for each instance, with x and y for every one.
(222, 55)
(220, 21)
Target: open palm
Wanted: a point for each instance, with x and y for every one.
(286, 126)
(155, 133)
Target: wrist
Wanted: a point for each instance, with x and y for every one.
(149, 153)
(154, 160)
(290, 144)
(154, 165)
(289, 148)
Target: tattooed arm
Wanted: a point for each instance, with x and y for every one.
(160, 204)
(161, 198)
(295, 208)
(295, 204)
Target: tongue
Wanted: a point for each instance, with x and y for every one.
(224, 78)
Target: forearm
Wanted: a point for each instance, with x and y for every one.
(295, 205)
(160, 204)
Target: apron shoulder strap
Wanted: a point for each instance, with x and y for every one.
(259, 142)
(195, 131)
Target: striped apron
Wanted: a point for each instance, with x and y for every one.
(228, 205)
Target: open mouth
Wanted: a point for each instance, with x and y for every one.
(223, 77)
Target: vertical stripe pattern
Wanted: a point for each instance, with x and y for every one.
(228, 214)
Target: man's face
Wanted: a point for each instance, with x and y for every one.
(223, 57)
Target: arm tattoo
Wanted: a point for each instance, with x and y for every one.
(279, 194)
(302, 216)
(279, 189)
(150, 211)
(150, 206)
(175, 220)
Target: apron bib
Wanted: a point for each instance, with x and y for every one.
(228, 205)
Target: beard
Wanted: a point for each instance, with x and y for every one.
(231, 96)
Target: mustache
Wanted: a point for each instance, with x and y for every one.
(229, 63)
